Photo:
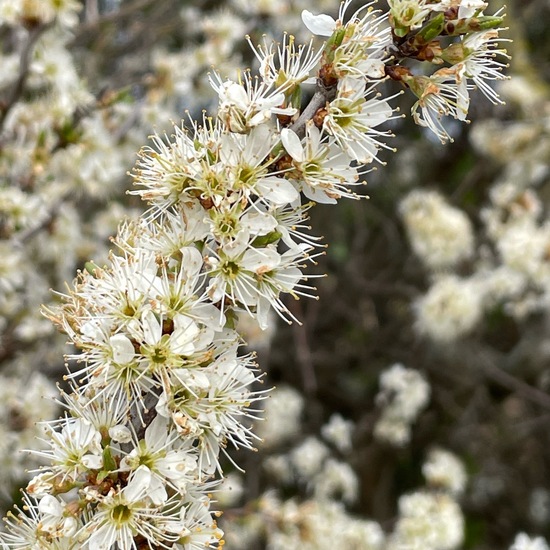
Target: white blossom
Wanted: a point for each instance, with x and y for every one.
(450, 309)
(403, 394)
(525, 542)
(445, 470)
(428, 521)
(351, 120)
(440, 234)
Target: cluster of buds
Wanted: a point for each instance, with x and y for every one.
(159, 388)
(456, 37)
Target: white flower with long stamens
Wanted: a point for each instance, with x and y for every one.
(113, 367)
(229, 220)
(254, 278)
(55, 518)
(280, 276)
(361, 50)
(168, 234)
(185, 169)
(75, 450)
(123, 514)
(107, 412)
(162, 347)
(26, 531)
(246, 155)
(232, 279)
(180, 292)
(291, 224)
(351, 120)
(120, 292)
(322, 170)
(481, 64)
(166, 169)
(248, 103)
(169, 459)
(289, 65)
(215, 413)
(202, 531)
(439, 96)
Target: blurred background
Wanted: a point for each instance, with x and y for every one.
(441, 278)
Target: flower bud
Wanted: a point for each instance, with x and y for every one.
(457, 27)
(432, 29)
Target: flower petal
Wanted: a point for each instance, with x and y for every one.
(123, 349)
(321, 25)
(292, 144)
(277, 190)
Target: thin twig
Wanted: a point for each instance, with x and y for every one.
(31, 232)
(25, 61)
(303, 350)
(321, 97)
(509, 381)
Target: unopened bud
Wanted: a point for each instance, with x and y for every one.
(457, 27)
(432, 29)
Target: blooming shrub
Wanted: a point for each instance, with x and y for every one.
(159, 389)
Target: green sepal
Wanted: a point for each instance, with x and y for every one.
(277, 150)
(109, 463)
(230, 319)
(334, 41)
(263, 240)
(91, 267)
(102, 475)
(400, 30)
(296, 97)
(432, 29)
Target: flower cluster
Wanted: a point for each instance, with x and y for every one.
(441, 235)
(429, 517)
(320, 465)
(421, 31)
(506, 266)
(525, 542)
(403, 394)
(428, 520)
